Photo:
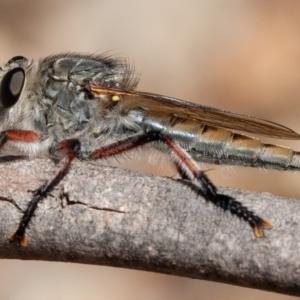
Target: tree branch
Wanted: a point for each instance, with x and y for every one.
(108, 216)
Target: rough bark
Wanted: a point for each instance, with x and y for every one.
(108, 216)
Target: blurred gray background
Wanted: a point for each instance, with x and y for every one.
(239, 55)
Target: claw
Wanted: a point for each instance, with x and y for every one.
(23, 240)
(257, 229)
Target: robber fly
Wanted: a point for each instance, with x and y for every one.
(75, 106)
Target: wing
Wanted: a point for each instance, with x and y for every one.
(204, 114)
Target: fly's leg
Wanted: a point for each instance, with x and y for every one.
(25, 136)
(191, 171)
(69, 149)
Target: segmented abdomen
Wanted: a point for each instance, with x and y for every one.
(221, 146)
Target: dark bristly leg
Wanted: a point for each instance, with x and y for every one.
(190, 169)
(68, 148)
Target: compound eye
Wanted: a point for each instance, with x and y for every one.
(16, 59)
(11, 87)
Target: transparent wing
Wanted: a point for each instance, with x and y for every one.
(205, 114)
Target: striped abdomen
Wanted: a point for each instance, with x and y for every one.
(221, 146)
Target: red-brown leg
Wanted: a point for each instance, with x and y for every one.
(190, 170)
(25, 136)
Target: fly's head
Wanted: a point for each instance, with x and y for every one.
(53, 96)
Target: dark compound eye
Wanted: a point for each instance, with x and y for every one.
(11, 87)
(16, 59)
